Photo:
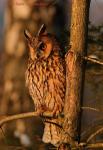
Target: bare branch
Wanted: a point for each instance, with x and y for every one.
(94, 134)
(93, 60)
(88, 146)
(90, 108)
(24, 115)
(96, 145)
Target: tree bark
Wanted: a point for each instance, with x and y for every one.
(75, 69)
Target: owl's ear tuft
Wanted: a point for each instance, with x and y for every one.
(27, 35)
(42, 30)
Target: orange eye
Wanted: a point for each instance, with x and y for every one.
(42, 46)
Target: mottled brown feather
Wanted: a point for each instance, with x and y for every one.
(45, 78)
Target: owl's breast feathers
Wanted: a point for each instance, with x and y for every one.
(46, 82)
(45, 78)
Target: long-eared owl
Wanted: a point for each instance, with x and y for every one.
(45, 78)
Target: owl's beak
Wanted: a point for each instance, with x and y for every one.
(27, 35)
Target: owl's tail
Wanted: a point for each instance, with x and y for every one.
(52, 134)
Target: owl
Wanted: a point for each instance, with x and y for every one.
(45, 79)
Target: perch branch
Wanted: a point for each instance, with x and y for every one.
(93, 60)
(24, 115)
(48, 114)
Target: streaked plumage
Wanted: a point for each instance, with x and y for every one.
(45, 78)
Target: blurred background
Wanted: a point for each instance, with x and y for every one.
(17, 15)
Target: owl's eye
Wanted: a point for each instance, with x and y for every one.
(42, 46)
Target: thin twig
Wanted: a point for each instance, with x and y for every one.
(91, 108)
(96, 145)
(2, 132)
(94, 134)
(93, 60)
(4, 136)
(24, 115)
(88, 146)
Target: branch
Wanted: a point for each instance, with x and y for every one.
(93, 60)
(94, 134)
(24, 115)
(90, 108)
(96, 145)
(88, 146)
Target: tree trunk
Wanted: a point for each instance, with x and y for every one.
(75, 69)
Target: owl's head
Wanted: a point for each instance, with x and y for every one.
(41, 45)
